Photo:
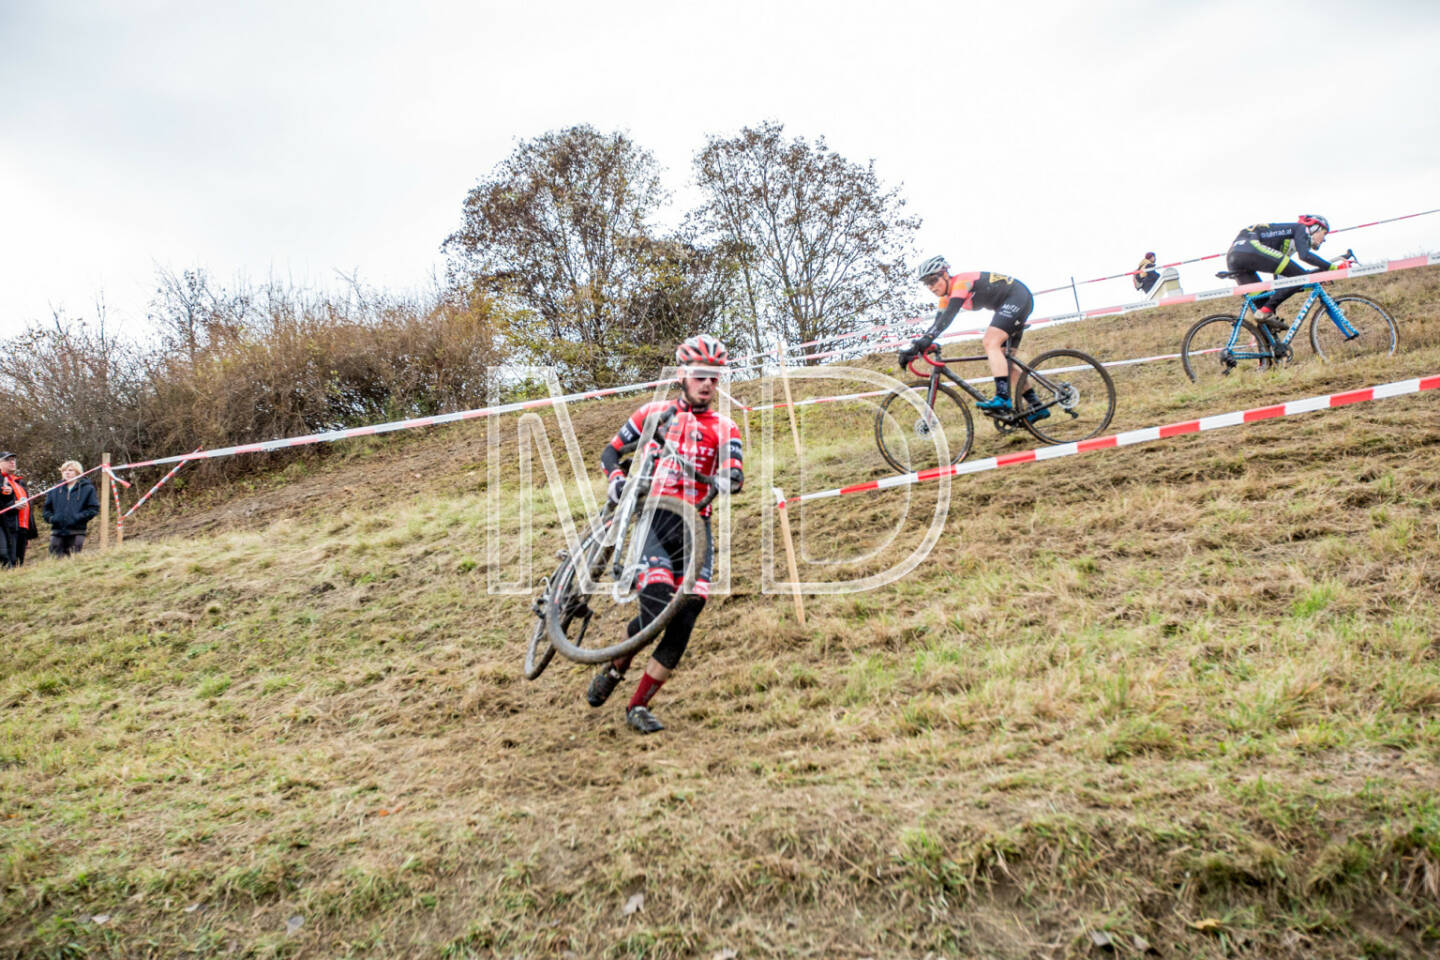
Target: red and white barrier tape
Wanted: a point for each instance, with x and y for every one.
(119, 517)
(880, 393)
(1214, 256)
(110, 472)
(36, 496)
(163, 480)
(437, 420)
(1050, 290)
(1131, 437)
(1328, 276)
(440, 419)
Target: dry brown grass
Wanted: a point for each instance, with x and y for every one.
(1185, 694)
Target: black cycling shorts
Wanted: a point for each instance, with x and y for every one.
(665, 551)
(1012, 313)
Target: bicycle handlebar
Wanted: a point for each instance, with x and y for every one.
(925, 375)
(665, 450)
(691, 471)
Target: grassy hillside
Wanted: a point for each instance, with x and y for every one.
(1179, 699)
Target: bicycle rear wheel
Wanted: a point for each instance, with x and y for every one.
(585, 596)
(1376, 332)
(908, 431)
(1207, 357)
(1076, 391)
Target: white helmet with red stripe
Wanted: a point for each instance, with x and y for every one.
(701, 350)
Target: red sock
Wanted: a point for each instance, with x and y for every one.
(644, 690)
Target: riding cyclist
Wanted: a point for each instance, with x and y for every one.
(711, 443)
(1273, 248)
(983, 290)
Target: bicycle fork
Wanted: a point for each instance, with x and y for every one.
(1337, 316)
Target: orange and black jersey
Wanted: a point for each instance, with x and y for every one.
(707, 439)
(980, 290)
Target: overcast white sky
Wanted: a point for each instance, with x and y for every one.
(300, 138)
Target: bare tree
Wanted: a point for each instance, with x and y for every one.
(71, 390)
(682, 288)
(560, 227)
(819, 242)
(193, 314)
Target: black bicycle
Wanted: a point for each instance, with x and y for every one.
(1347, 326)
(593, 592)
(927, 424)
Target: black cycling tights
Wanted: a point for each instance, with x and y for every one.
(671, 648)
(1245, 263)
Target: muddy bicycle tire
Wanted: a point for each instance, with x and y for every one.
(536, 662)
(1199, 351)
(1378, 333)
(536, 658)
(1085, 386)
(569, 611)
(955, 419)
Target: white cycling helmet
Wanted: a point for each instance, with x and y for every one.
(930, 268)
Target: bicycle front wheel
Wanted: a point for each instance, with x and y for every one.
(909, 432)
(1375, 333)
(561, 593)
(1074, 390)
(536, 658)
(588, 598)
(1207, 355)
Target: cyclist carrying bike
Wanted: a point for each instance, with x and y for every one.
(1274, 248)
(711, 442)
(982, 290)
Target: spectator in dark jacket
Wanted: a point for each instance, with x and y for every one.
(9, 518)
(1146, 276)
(68, 509)
(26, 527)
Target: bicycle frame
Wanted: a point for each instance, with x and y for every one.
(939, 368)
(1252, 304)
(627, 555)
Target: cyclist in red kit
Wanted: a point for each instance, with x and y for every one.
(711, 442)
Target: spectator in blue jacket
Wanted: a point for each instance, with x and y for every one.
(68, 509)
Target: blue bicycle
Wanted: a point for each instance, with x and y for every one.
(1343, 327)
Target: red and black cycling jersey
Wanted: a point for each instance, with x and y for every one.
(707, 439)
(1282, 241)
(979, 290)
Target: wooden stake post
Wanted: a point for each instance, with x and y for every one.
(105, 502)
(789, 405)
(789, 553)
